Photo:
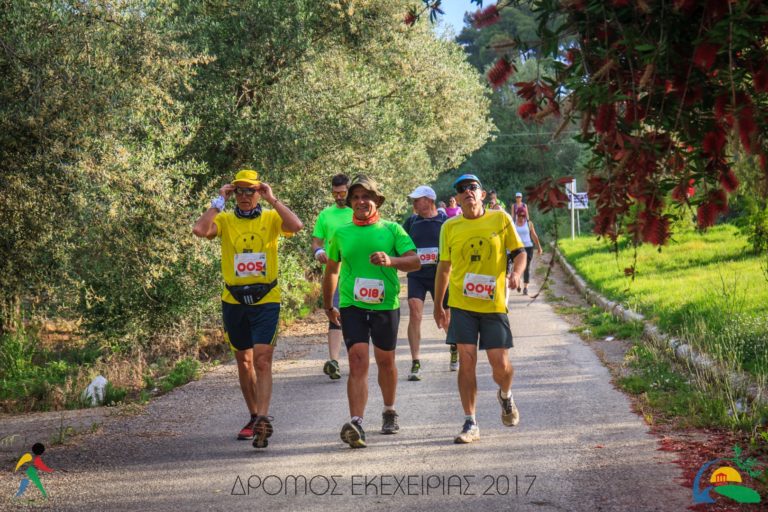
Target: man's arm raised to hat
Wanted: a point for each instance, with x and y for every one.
(205, 227)
(291, 223)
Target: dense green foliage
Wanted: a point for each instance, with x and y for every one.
(119, 121)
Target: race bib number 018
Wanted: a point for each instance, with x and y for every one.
(251, 264)
(479, 286)
(370, 291)
(427, 255)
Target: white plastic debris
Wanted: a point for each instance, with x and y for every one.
(95, 391)
(609, 338)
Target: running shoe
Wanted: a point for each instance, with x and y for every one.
(389, 424)
(332, 369)
(509, 413)
(525, 291)
(454, 359)
(353, 434)
(469, 432)
(247, 431)
(415, 371)
(262, 431)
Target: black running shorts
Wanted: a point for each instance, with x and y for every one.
(246, 326)
(492, 329)
(363, 325)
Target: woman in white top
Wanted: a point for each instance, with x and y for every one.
(527, 233)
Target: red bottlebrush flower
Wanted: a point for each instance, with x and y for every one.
(527, 110)
(747, 127)
(410, 17)
(485, 17)
(690, 190)
(704, 55)
(679, 192)
(706, 215)
(606, 118)
(686, 6)
(526, 90)
(721, 102)
(655, 229)
(500, 72)
(570, 56)
(714, 142)
(634, 111)
(760, 78)
(728, 180)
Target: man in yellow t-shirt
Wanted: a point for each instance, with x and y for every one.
(251, 298)
(472, 266)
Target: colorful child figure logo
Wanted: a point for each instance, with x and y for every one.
(37, 463)
(726, 481)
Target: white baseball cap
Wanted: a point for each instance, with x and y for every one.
(423, 191)
(519, 194)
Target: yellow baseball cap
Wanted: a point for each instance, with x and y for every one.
(247, 177)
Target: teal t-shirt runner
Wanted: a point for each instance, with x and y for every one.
(361, 283)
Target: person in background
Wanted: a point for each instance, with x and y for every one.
(518, 204)
(527, 234)
(424, 229)
(493, 201)
(328, 221)
(441, 207)
(453, 209)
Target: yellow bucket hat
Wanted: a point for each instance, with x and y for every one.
(247, 177)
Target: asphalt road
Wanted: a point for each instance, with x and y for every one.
(578, 446)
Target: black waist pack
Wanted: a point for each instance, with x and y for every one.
(251, 293)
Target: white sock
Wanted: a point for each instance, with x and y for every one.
(357, 419)
(389, 408)
(507, 394)
(470, 417)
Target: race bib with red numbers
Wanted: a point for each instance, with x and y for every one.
(479, 286)
(370, 291)
(427, 255)
(251, 264)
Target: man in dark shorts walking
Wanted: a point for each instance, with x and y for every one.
(473, 257)
(328, 221)
(424, 229)
(251, 298)
(363, 260)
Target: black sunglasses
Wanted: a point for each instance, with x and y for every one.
(245, 191)
(469, 186)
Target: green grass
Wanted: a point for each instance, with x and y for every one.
(706, 288)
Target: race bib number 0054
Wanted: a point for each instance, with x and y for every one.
(370, 291)
(479, 286)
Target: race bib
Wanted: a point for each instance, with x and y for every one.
(479, 286)
(251, 264)
(427, 255)
(370, 291)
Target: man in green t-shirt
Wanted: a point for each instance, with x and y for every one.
(472, 267)
(363, 259)
(250, 300)
(328, 221)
